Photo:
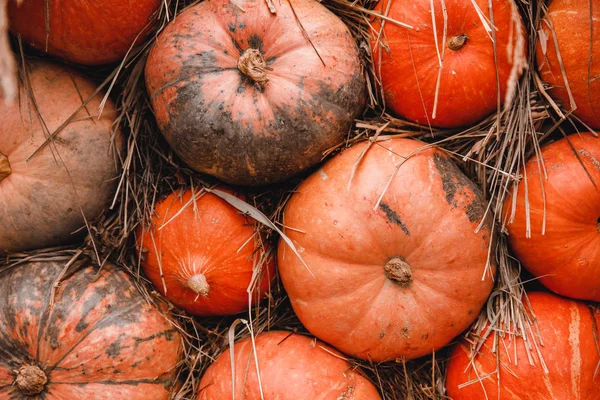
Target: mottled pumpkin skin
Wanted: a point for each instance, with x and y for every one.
(85, 32)
(209, 237)
(99, 340)
(428, 216)
(578, 40)
(566, 258)
(468, 90)
(569, 351)
(42, 200)
(220, 122)
(291, 367)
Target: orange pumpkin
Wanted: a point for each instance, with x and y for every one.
(244, 96)
(471, 75)
(291, 367)
(568, 344)
(574, 27)
(43, 198)
(85, 32)
(397, 280)
(97, 338)
(203, 254)
(564, 210)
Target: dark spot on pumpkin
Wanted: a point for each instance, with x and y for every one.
(231, 27)
(255, 42)
(456, 185)
(114, 349)
(393, 217)
(241, 25)
(425, 336)
(382, 335)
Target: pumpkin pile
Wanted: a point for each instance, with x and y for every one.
(262, 200)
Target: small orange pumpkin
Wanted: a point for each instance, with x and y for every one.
(568, 343)
(566, 258)
(202, 254)
(398, 278)
(291, 367)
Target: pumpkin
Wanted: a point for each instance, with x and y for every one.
(244, 96)
(567, 342)
(465, 89)
(97, 338)
(291, 367)
(202, 254)
(47, 188)
(563, 249)
(84, 32)
(396, 278)
(574, 27)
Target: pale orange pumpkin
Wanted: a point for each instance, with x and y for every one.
(203, 254)
(398, 278)
(291, 367)
(567, 342)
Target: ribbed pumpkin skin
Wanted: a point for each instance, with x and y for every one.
(222, 123)
(578, 40)
(214, 240)
(85, 32)
(566, 328)
(99, 340)
(566, 258)
(428, 217)
(291, 367)
(41, 200)
(468, 89)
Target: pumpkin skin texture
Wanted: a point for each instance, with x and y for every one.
(42, 200)
(248, 131)
(85, 32)
(397, 281)
(468, 89)
(580, 53)
(99, 340)
(291, 367)
(566, 259)
(207, 256)
(566, 328)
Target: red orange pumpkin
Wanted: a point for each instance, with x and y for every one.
(45, 194)
(244, 96)
(202, 254)
(290, 367)
(568, 345)
(563, 249)
(465, 89)
(85, 32)
(574, 27)
(398, 278)
(98, 338)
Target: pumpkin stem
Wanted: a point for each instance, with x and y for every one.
(31, 380)
(198, 284)
(5, 169)
(253, 65)
(398, 270)
(456, 42)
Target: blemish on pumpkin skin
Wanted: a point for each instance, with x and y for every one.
(455, 185)
(393, 217)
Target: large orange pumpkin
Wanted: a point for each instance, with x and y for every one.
(290, 367)
(85, 32)
(202, 255)
(568, 343)
(240, 93)
(97, 338)
(400, 279)
(564, 215)
(409, 61)
(573, 26)
(43, 199)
